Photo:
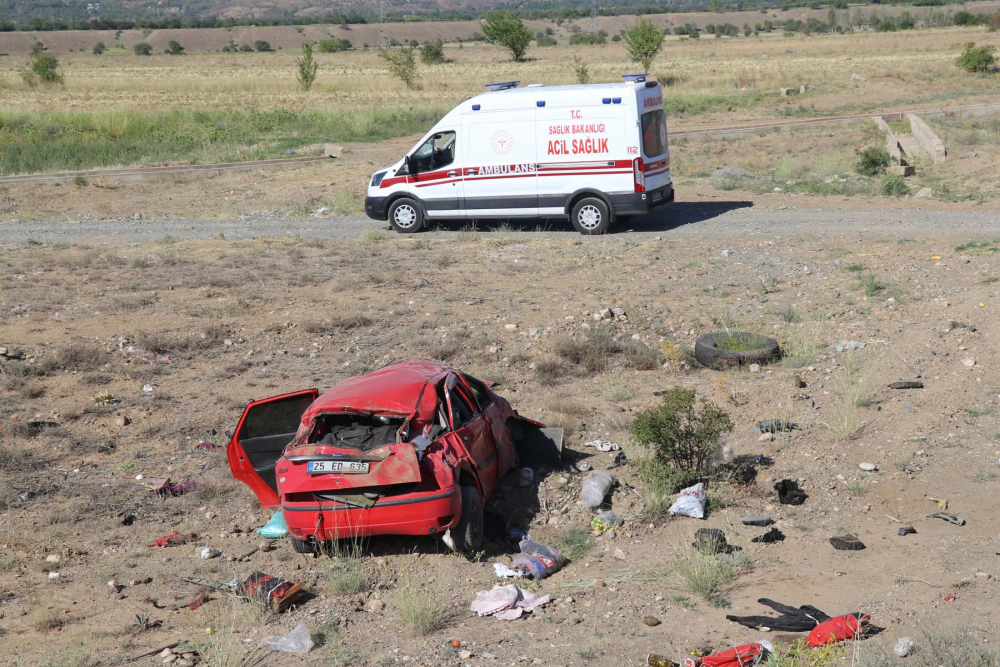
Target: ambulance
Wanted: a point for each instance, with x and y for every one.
(591, 153)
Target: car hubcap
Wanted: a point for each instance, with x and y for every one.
(405, 216)
(589, 217)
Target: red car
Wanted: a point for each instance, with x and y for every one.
(414, 448)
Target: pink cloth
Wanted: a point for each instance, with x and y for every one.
(507, 602)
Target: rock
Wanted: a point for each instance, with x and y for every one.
(510, 327)
(726, 253)
(761, 521)
(907, 530)
(209, 515)
(983, 575)
(651, 621)
(847, 543)
(730, 172)
(166, 652)
(765, 437)
(183, 663)
(322, 209)
(122, 420)
(464, 655)
(798, 382)
(173, 657)
(969, 362)
(52, 558)
(755, 368)
(209, 552)
(850, 345)
(558, 481)
(868, 467)
(374, 606)
(904, 646)
(605, 313)
(228, 342)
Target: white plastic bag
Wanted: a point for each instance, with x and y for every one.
(690, 502)
(595, 488)
(296, 641)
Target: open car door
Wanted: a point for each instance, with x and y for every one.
(265, 428)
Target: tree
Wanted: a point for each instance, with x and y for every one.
(44, 68)
(402, 64)
(508, 31)
(976, 58)
(307, 67)
(142, 49)
(432, 53)
(174, 48)
(99, 48)
(681, 433)
(37, 48)
(643, 42)
(581, 69)
(261, 45)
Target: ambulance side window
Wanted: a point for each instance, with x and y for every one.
(654, 133)
(437, 152)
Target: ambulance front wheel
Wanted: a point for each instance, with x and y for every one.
(591, 216)
(406, 216)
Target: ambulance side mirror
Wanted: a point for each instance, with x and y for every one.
(407, 167)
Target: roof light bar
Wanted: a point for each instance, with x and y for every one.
(502, 86)
(635, 78)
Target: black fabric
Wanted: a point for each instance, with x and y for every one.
(770, 537)
(801, 619)
(360, 436)
(789, 492)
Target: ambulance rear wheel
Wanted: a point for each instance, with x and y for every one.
(591, 216)
(406, 216)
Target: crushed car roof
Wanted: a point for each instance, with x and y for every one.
(393, 389)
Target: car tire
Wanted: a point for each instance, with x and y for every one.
(303, 546)
(406, 216)
(708, 354)
(591, 216)
(469, 531)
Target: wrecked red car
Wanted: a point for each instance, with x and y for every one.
(414, 448)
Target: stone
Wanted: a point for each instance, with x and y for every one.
(209, 515)
(374, 606)
(52, 558)
(510, 327)
(755, 368)
(868, 467)
(322, 209)
(904, 646)
(166, 652)
(968, 362)
(651, 621)
(765, 437)
(464, 655)
(558, 481)
(726, 253)
(122, 420)
(798, 382)
(228, 342)
(605, 313)
(753, 520)
(170, 659)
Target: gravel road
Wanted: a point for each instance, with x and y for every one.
(719, 218)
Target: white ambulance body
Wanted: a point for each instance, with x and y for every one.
(588, 152)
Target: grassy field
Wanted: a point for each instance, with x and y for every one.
(120, 109)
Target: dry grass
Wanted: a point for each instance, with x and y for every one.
(422, 608)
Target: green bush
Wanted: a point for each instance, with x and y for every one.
(432, 53)
(873, 161)
(99, 48)
(581, 69)
(894, 186)
(261, 45)
(681, 433)
(977, 58)
(333, 45)
(587, 38)
(402, 64)
(545, 40)
(142, 49)
(245, 48)
(174, 48)
(44, 68)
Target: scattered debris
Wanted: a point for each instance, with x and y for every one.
(651, 621)
(761, 521)
(747, 654)
(208, 446)
(838, 629)
(277, 593)
(775, 426)
(770, 537)
(172, 540)
(296, 641)
(868, 467)
(657, 660)
(504, 572)
(792, 619)
(950, 518)
(606, 520)
(712, 541)
(537, 560)
(847, 542)
(209, 552)
(789, 492)
(274, 528)
(595, 488)
(850, 345)
(904, 646)
(603, 445)
(907, 530)
(941, 502)
(690, 502)
(507, 602)
(198, 601)
(906, 385)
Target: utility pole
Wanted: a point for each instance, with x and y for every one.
(593, 16)
(383, 30)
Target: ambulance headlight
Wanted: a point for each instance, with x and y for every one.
(377, 179)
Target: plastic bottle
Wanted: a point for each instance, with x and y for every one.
(548, 559)
(527, 476)
(657, 660)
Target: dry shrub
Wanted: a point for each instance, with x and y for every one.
(422, 608)
(78, 356)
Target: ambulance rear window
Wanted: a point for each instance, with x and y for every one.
(654, 133)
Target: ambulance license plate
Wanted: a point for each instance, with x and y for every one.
(657, 196)
(341, 467)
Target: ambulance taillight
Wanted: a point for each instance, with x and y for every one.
(640, 179)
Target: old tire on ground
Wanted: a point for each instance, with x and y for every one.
(406, 216)
(708, 353)
(303, 546)
(591, 216)
(469, 531)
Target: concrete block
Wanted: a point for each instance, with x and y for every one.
(929, 141)
(891, 143)
(333, 150)
(784, 91)
(803, 88)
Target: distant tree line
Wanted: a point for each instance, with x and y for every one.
(40, 17)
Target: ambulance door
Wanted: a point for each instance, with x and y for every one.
(436, 173)
(581, 146)
(500, 178)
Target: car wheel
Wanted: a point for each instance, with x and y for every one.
(405, 216)
(591, 216)
(469, 531)
(303, 546)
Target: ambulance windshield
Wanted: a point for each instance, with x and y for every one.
(438, 151)
(654, 133)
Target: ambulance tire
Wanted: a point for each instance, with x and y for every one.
(406, 216)
(591, 216)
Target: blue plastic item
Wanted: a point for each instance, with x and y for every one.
(274, 528)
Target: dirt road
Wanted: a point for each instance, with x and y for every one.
(683, 219)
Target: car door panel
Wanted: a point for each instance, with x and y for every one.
(260, 437)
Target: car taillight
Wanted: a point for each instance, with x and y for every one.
(640, 179)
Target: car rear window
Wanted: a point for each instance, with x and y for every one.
(654, 133)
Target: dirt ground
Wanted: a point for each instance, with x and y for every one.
(210, 324)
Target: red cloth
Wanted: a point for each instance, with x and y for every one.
(741, 656)
(836, 630)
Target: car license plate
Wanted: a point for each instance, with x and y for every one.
(657, 196)
(341, 467)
